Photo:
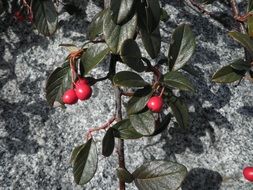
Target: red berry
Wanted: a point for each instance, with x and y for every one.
(248, 173)
(19, 16)
(83, 91)
(69, 97)
(82, 81)
(30, 18)
(155, 104)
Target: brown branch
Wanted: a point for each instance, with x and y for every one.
(120, 145)
(102, 127)
(242, 28)
(236, 14)
(200, 8)
(129, 94)
(243, 18)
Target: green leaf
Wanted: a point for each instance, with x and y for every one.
(85, 164)
(162, 175)
(180, 111)
(250, 19)
(108, 143)
(152, 42)
(74, 153)
(244, 40)
(121, 10)
(58, 82)
(163, 125)
(240, 65)
(124, 175)
(125, 130)
(96, 26)
(189, 69)
(45, 16)
(227, 74)
(131, 55)
(250, 5)
(143, 123)
(115, 35)
(129, 79)
(175, 79)
(250, 26)
(93, 56)
(2, 7)
(149, 13)
(182, 47)
(139, 100)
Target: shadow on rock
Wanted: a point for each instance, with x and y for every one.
(246, 110)
(201, 119)
(202, 179)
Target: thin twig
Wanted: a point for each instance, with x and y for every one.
(200, 8)
(242, 28)
(129, 94)
(236, 14)
(102, 127)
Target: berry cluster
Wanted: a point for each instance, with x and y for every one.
(81, 91)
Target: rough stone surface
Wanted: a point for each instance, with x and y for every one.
(36, 140)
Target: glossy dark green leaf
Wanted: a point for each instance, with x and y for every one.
(125, 130)
(124, 175)
(129, 79)
(139, 100)
(58, 82)
(250, 5)
(244, 40)
(149, 13)
(121, 10)
(108, 142)
(131, 55)
(152, 42)
(182, 47)
(85, 164)
(143, 123)
(96, 26)
(227, 74)
(250, 26)
(45, 16)
(93, 56)
(115, 34)
(240, 65)
(250, 19)
(191, 70)
(177, 80)
(180, 111)
(1, 7)
(75, 153)
(162, 175)
(163, 125)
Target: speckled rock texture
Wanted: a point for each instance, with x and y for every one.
(36, 140)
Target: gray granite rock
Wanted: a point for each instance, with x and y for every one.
(36, 140)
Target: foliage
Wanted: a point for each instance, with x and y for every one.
(121, 24)
(241, 67)
(113, 34)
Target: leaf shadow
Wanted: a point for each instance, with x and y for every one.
(201, 178)
(202, 119)
(246, 110)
